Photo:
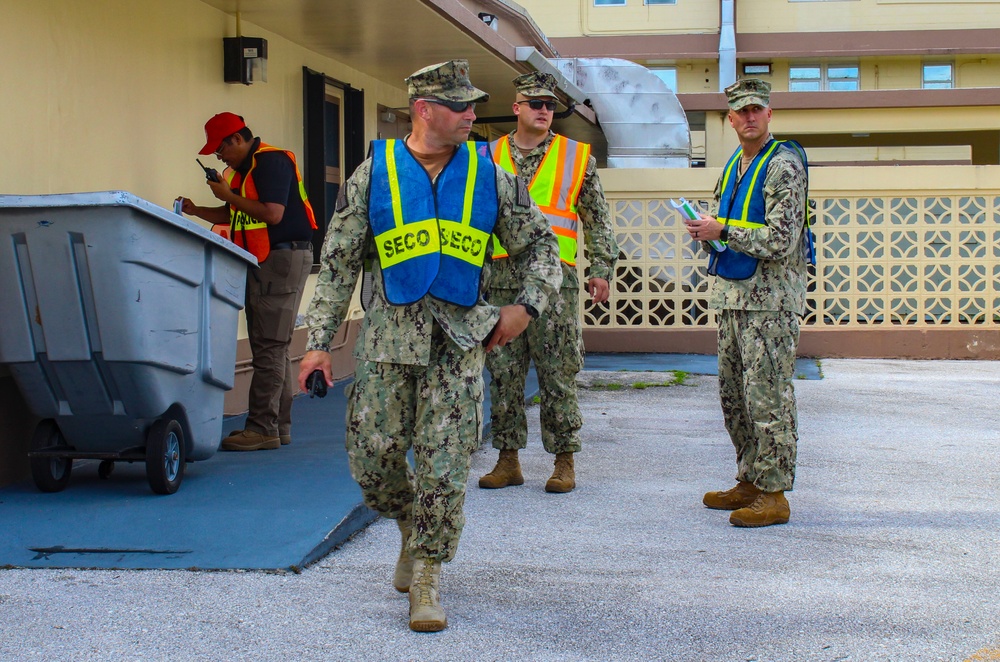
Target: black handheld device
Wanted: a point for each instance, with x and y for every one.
(211, 174)
(316, 383)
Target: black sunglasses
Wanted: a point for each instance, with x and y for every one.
(453, 106)
(538, 104)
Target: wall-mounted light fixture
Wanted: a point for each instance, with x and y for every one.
(490, 20)
(245, 59)
(757, 69)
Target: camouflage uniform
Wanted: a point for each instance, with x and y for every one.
(418, 381)
(759, 331)
(554, 341)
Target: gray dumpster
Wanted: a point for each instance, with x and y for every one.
(118, 321)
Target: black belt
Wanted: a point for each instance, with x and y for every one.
(293, 246)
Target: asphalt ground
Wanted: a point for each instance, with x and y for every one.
(891, 552)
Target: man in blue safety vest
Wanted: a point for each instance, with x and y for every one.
(759, 291)
(426, 206)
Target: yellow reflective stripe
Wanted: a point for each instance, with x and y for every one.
(735, 222)
(470, 184)
(729, 170)
(753, 180)
(390, 163)
(411, 240)
(502, 156)
(243, 221)
(578, 173)
(542, 186)
(463, 242)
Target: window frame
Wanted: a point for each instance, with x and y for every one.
(824, 81)
(923, 76)
(670, 68)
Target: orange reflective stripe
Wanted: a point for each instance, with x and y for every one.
(565, 232)
(264, 147)
(578, 174)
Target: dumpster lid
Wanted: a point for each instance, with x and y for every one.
(123, 199)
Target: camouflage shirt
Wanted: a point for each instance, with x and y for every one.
(595, 221)
(402, 334)
(780, 280)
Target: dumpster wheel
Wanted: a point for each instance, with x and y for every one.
(165, 456)
(51, 474)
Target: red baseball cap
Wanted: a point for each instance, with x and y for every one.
(218, 129)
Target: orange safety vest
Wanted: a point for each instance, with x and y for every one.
(555, 188)
(246, 231)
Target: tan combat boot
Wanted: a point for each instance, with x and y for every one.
(403, 575)
(563, 477)
(734, 498)
(507, 472)
(767, 509)
(426, 613)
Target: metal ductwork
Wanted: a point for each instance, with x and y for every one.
(640, 116)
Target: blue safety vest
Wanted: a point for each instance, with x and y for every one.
(431, 237)
(741, 204)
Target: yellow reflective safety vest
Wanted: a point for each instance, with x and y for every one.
(246, 231)
(555, 188)
(432, 237)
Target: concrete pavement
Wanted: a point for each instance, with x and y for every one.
(891, 552)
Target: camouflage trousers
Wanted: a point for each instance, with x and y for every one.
(437, 410)
(756, 367)
(554, 342)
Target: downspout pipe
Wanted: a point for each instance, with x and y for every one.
(727, 45)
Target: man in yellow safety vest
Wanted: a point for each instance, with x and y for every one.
(562, 180)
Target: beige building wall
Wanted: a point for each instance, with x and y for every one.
(118, 94)
(891, 73)
(575, 18)
(864, 15)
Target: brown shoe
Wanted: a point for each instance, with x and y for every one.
(248, 440)
(734, 498)
(285, 439)
(563, 477)
(507, 472)
(767, 509)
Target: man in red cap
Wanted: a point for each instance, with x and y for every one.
(268, 213)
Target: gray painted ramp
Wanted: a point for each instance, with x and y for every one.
(255, 510)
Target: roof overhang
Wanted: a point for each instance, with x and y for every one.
(390, 39)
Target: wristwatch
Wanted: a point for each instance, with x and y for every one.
(724, 235)
(531, 310)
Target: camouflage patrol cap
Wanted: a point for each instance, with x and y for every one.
(748, 91)
(448, 81)
(536, 84)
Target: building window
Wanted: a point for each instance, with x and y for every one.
(661, 2)
(813, 78)
(938, 76)
(805, 79)
(609, 3)
(668, 75)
